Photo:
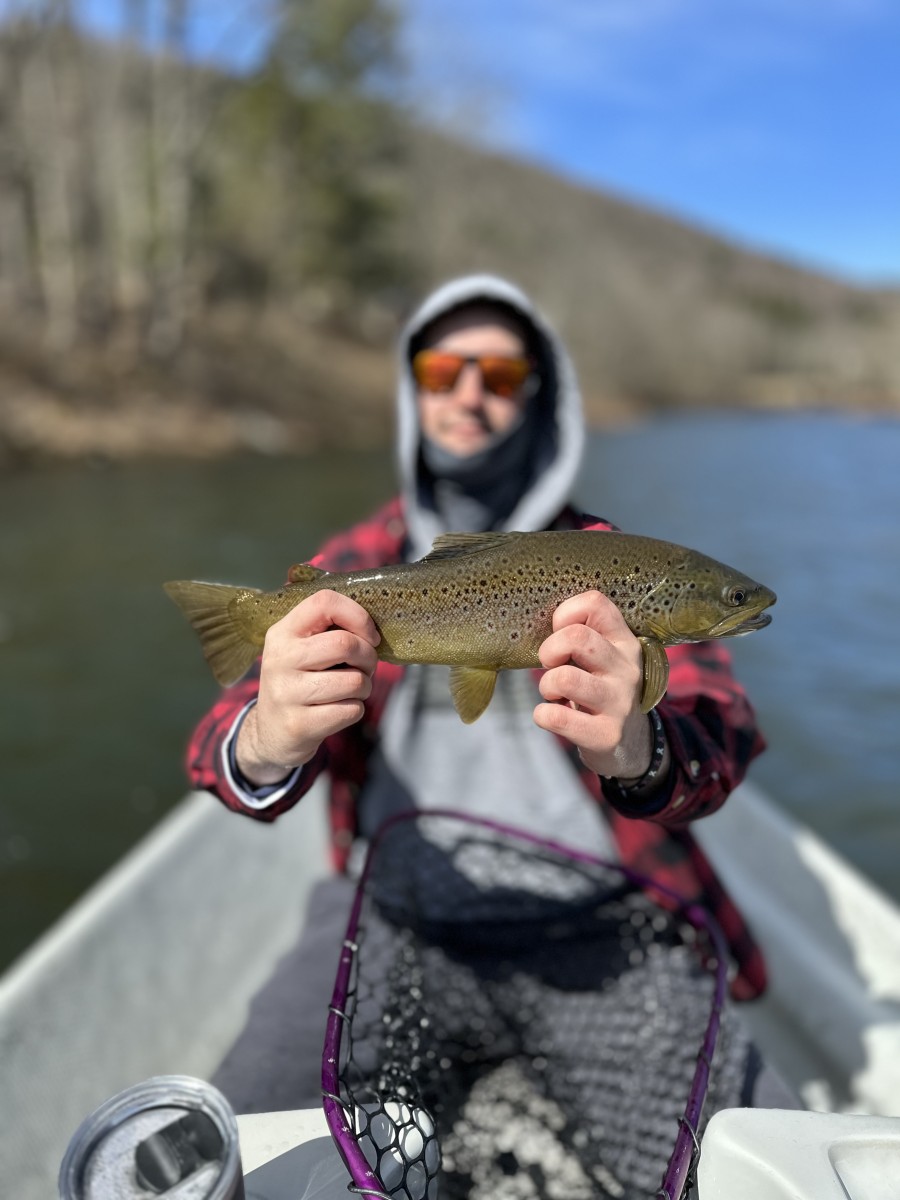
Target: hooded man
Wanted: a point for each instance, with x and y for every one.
(490, 436)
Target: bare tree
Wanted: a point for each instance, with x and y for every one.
(174, 148)
(45, 105)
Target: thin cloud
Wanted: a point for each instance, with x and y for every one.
(631, 53)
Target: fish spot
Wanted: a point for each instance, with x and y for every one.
(514, 635)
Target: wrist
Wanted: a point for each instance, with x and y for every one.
(630, 787)
(252, 761)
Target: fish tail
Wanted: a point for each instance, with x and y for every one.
(228, 650)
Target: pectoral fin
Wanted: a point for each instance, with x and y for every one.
(656, 673)
(471, 689)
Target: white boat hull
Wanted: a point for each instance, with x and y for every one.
(152, 971)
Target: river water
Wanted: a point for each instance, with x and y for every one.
(101, 678)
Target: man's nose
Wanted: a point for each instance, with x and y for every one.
(469, 385)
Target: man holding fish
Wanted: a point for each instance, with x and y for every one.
(352, 675)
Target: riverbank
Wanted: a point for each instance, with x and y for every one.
(280, 387)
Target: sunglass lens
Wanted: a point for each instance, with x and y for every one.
(436, 372)
(504, 376)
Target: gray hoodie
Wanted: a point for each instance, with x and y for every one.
(555, 416)
(502, 765)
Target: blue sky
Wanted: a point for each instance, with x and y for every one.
(773, 122)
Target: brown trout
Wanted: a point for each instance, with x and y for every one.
(483, 602)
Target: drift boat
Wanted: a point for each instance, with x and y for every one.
(151, 973)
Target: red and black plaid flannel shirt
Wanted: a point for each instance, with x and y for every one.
(710, 726)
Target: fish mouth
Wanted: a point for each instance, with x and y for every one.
(745, 625)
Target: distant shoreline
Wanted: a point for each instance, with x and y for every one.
(42, 430)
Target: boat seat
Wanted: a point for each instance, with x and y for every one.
(774, 1154)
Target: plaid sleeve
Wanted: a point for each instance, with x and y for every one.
(711, 729)
(207, 759)
(368, 544)
(712, 734)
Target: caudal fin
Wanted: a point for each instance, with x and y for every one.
(228, 650)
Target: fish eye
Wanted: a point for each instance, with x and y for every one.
(736, 596)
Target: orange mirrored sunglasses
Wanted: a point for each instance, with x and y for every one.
(438, 371)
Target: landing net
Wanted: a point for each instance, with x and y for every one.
(514, 1020)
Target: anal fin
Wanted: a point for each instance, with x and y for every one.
(471, 689)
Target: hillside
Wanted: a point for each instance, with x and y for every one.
(659, 315)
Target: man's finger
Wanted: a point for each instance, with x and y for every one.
(576, 644)
(594, 610)
(326, 610)
(332, 650)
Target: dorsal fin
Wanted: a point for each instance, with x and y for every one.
(456, 545)
(304, 573)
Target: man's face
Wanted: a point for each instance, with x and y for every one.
(463, 418)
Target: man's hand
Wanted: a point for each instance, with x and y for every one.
(592, 687)
(317, 668)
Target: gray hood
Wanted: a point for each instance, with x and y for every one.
(558, 403)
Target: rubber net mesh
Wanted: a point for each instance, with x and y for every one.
(519, 1024)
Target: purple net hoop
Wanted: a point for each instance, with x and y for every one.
(489, 976)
